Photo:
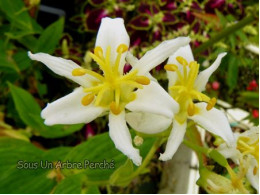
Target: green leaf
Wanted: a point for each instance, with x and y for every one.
(22, 167)
(250, 97)
(232, 72)
(69, 185)
(92, 190)
(101, 150)
(19, 168)
(18, 15)
(22, 60)
(50, 37)
(29, 111)
(121, 175)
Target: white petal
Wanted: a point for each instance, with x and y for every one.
(174, 140)
(157, 55)
(229, 152)
(154, 99)
(253, 178)
(112, 33)
(203, 76)
(120, 135)
(215, 122)
(62, 67)
(184, 52)
(69, 110)
(148, 123)
(133, 61)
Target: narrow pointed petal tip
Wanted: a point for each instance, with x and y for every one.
(174, 140)
(120, 135)
(203, 76)
(159, 54)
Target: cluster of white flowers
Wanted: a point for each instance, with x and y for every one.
(135, 97)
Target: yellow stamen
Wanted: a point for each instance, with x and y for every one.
(78, 72)
(192, 63)
(171, 67)
(98, 51)
(122, 48)
(255, 170)
(182, 61)
(191, 109)
(114, 108)
(211, 104)
(142, 80)
(86, 100)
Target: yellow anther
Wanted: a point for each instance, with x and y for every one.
(115, 109)
(78, 72)
(122, 48)
(182, 61)
(255, 170)
(171, 67)
(192, 63)
(98, 51)
(211, 104)
(142, 80)
(86, 100)
(191, 109)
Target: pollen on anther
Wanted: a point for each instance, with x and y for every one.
(182, 61)
(98, 51)
(86, 100)
(122, 48)
(115, 109)
(78, 72)
(211, 104)
(191, 109)
(142, 80)
(171, 67)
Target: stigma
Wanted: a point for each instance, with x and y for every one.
(113, 89)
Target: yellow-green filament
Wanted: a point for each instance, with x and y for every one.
(184, 91)
(245, 146)
(113, 89)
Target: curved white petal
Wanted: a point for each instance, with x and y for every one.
(253, 178)
(174, 140)
(120, 135)
(215, 122)
(154, 99)
(133, 61)
(69, 110)
(184, 52)
(112, 33)
(229, 152)
(203, 76)
(160, 53)
(62, 67)
(148, 123)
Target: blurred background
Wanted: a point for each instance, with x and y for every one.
(68, 29)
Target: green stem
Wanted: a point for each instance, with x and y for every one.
(224, 33)
(149, 156)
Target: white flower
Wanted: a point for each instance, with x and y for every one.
(112, 91)
(185, 86)
(246, 151)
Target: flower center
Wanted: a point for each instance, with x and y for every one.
(184, 91)
(113, 89)
(246, 146)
